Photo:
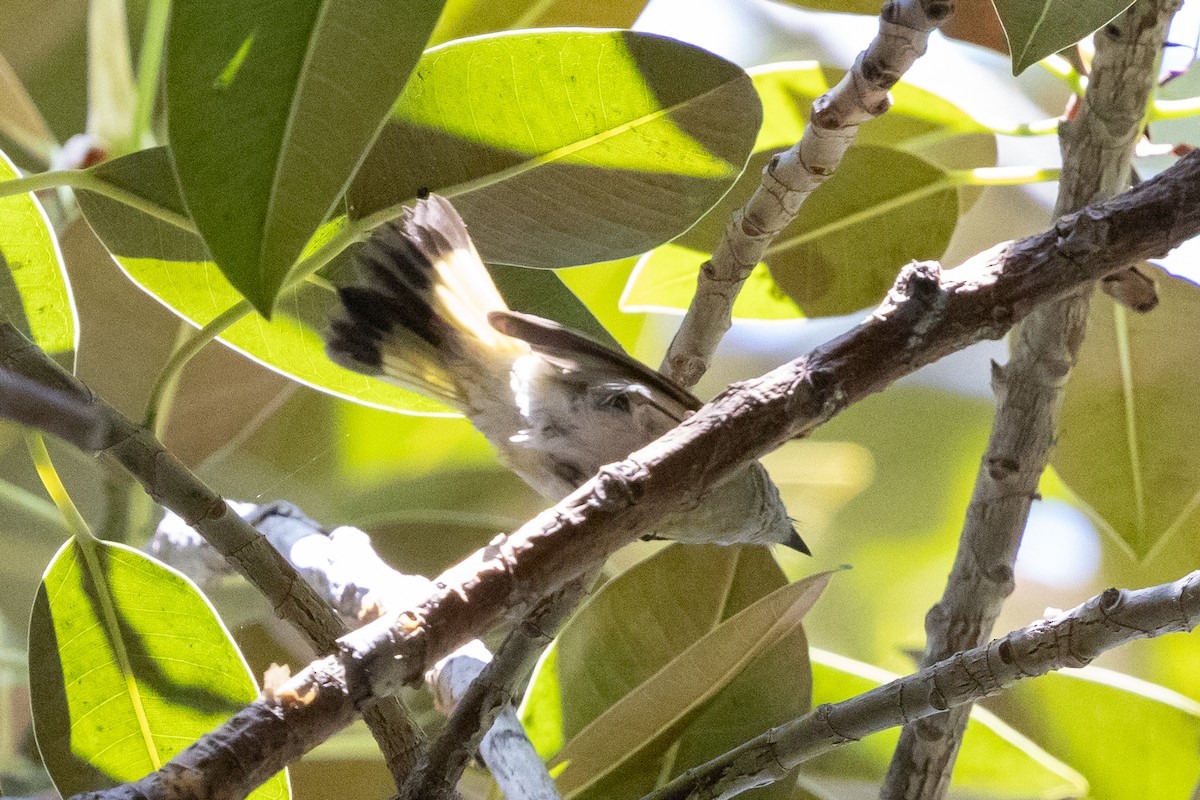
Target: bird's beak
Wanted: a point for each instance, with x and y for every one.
(796, 543)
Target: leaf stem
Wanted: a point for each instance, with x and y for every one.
(88, 181)
(149, 68)
(75, 522)
(1174, 109)
(1060, 68)
(1004, 176)
(1038, 127)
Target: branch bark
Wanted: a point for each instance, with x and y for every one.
(172, 484)
(1071, 639)
(477, 693)
(470, 686)
(904, 30)
(1098, 146)
(926, 316)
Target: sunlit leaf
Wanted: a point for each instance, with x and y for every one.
(1037, 28)
(565, 147)
(128, 665)
(463, 18)
(995, 761)
(174, 267)
(1128, 737)
(1133, 392)
(270, 109)
(844, 270)
(34, 293)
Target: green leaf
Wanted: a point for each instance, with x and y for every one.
(880, 210)
(628, 641)
(843, 270)
(173, 266)
(543, 293)
(462, 18)
(1132, 393)
(128, 665)
(1038, 28)
(569, 147)
(656, 707)
(270, 110)
(1128, 737)
(34, 293)
(995, 761)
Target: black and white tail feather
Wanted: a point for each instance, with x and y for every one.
(556, 404)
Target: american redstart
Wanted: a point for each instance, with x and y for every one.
(557, 405)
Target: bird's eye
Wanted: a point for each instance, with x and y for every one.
(619, 401)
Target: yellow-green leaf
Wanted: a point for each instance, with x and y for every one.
(128, 665)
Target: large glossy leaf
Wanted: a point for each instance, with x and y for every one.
(174, 267)
(128, 665)
(1128, 737)
(995, 761)
(270, 108)
(650, 712)
(462, 18)
(34, 293)
(1123, 447)
(1037, 28)
(845, 269)
(562, 148)
(635, 645)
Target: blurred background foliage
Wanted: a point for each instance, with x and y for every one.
(882, 489)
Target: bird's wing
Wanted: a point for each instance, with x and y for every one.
(578, 352)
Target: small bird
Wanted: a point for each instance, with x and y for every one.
(557, 405)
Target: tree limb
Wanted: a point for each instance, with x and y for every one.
(477, 693)
(925, 316)
(347, 572)
(904, 30)
(1071, 639)
(173, 485)
(1098, 145)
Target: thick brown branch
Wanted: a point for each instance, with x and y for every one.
(926, 316)
(1071, 639)
(1098, 146)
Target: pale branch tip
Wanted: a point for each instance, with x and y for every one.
(793, 175)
